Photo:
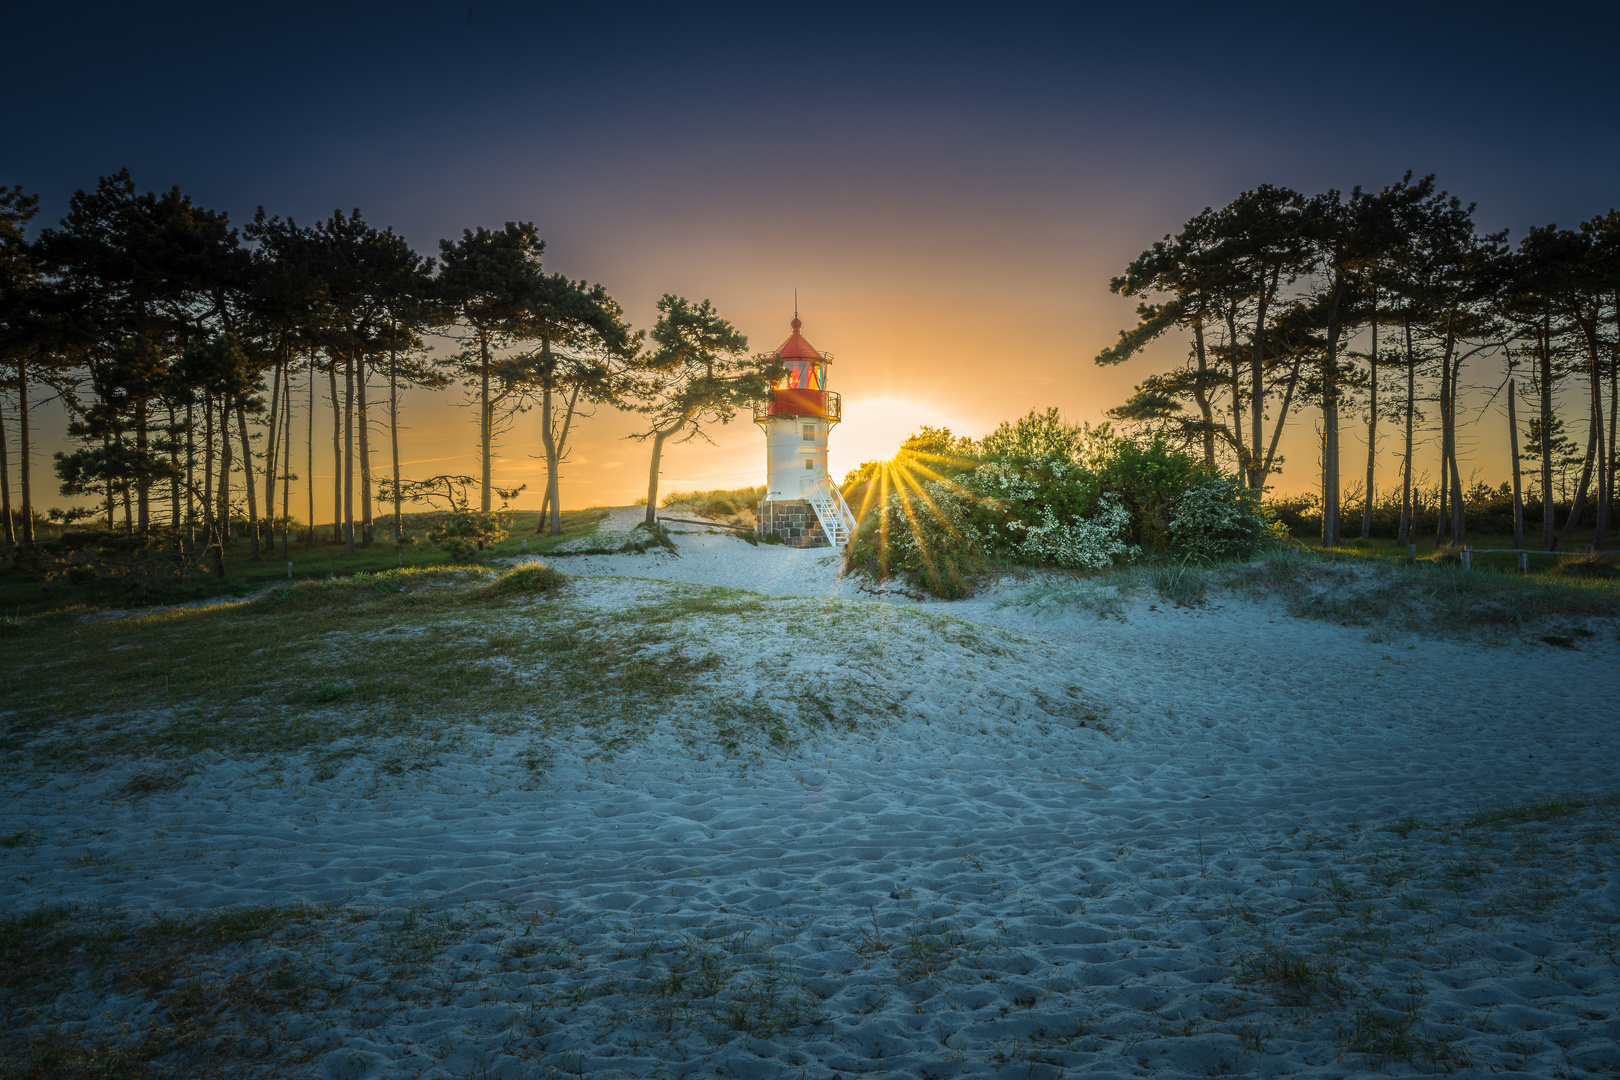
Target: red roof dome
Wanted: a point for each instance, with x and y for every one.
(796, 348)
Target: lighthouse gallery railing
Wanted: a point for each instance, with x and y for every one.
(800, 403)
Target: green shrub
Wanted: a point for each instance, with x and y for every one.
(1150, 477)
(1221, 519)
(1039, 492)
(326, 592)
(465, 533)
(530, 579)
(933, 541)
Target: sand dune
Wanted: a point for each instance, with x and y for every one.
(1189, 842)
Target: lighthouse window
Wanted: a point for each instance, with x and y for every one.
(809, 433)
(810, 463)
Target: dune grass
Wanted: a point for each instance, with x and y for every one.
(203, 991)
(411, 652)
(732, 506)
(1357, 954)
(23, 595)
(404, 666)
(1426, 597)
(1433, 596)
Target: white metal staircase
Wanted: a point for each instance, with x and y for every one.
(828, 502)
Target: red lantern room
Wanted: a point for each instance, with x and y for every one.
(802, 388)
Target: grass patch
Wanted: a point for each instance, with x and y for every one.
(198, 993)
(1296, 975)
(22, 594)
(1368, 955)
(1554, 809)
(1429, 597)
(404, 652)
(411, 663)
(1083, 594)
(732, 506)
(530, 579)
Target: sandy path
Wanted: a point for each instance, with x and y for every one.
(988, 882)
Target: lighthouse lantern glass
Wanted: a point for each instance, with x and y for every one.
(803, 375)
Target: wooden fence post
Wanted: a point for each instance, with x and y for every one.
(1467, 560)
(1411, 553)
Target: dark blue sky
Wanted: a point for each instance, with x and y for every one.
(944, 186)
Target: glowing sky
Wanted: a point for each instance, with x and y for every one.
(949, 192)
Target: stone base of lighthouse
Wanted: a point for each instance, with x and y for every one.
(794, 520)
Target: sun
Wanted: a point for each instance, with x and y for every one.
(873, 428)
(895, 493)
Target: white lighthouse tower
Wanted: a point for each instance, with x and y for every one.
(802, 504)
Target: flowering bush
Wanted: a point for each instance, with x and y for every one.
(1087, 544)
(1222, 519)
(941, 538)
(1040, 493)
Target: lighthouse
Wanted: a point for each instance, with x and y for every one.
(802, 504)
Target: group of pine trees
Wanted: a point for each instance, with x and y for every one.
(197, 361)
(1272, 289)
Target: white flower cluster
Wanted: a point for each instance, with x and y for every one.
(1089, 544)
(1220, 519)
(996, 480)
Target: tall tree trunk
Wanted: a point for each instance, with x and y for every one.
(247, 482)
(24, 480)
(549, 438)
(174, 474)
(109, 487)
(348, 455)
(1372, 423)
(224, 514)
(337, 453)
(1449, 526)
(286, 455)
(652, 474)
(1577, 505)
(1237, 398)
(5, 487)
(143, 480)
(393, 438)
(1594, 435)
(562, 448)
(1330, 464)
(1606, 506)
(209, 530)
(191, 474)
(1330, 425)
(1548, 538)
(1442, 512)
(1408, 511)
(486, 417)
(1445, 452)
(309, 453)
(1459, 505)
(272, 446)
(1201, 395)
(1518, 490)
(1282, 416)
(363, 422)
(1257, 379)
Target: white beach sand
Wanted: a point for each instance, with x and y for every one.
(1189, 842)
